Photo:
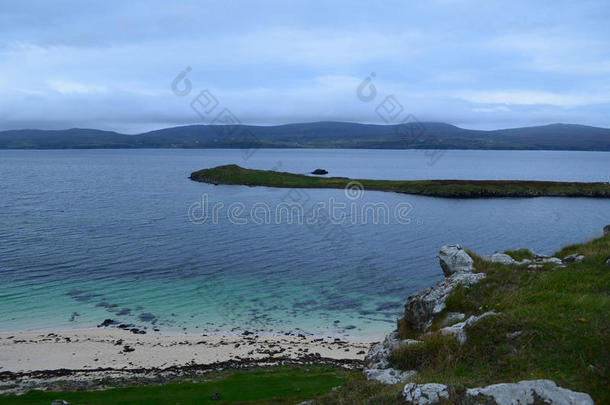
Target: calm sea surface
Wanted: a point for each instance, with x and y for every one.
(87, 235)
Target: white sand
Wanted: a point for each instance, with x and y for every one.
(89, 349)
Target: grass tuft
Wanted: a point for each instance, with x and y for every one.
(520, 254)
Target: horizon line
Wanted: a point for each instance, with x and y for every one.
(300, 123)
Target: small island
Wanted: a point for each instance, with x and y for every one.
(236, 175)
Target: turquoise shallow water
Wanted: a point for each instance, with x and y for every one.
(91, 235)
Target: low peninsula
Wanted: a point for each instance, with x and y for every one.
(236, 175)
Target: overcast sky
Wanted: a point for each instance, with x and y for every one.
(477, 64)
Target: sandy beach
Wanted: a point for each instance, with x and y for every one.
(43, 359)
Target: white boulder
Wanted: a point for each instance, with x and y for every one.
(575, 258)
(501, 258)
(454, 259)
(553, 260)
(530, 392)
(452, 318)
(526, 393)
(389, 375)
(423, 306)
(459, 329)
(379, 354)
(425, 394)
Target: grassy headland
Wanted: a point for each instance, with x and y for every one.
(551, 323)
(234, 174)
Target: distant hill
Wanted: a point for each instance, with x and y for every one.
(426, 135)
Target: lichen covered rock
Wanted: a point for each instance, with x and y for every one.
(377, 364)
(459, 329)
(532, 392)
(454, 259)
(423, 306)
(389, 375)
(575, 258)
(526, 393)
(379, 354)
(425, 394)
(501, 258)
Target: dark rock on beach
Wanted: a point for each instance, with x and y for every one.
(107, 322)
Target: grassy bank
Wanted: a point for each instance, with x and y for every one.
(263, 386)
(233, 174)
(552, 323)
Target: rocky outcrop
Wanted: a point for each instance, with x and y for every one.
(606, 230)
(553, 260)
(538, 262)
(526, 392)
(423, 306)
(505, 259)
(425, 394)
(452, 318)
(454, 259)
(420, 311)
(459, 329)
(575, 258)
(389, 375)
(378, 355)
(501, 258)
(530, 392)
(377, 361)
(319, 172)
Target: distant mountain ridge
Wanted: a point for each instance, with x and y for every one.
(416, 135)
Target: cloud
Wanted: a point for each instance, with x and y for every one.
(525, 97)
(64, 87)
(494, 64)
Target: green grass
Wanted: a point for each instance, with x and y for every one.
(520, 254)
(552, 323)
(358, 391)
(262, 386)
(233, 174)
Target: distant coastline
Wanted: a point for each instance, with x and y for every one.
(322, 135)
(236, 175)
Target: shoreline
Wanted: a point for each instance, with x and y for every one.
(110, 348)
(41, 360)
(99, 357)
